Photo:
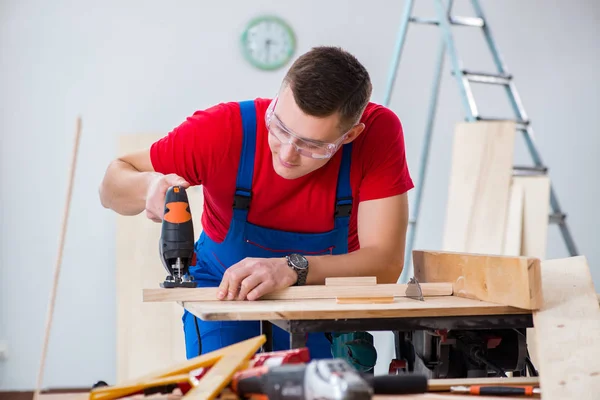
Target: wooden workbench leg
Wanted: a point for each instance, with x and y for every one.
(267, 329)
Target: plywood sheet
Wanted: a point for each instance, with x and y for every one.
(508, 280)
(478, 192)
(143, 326)
(567, 331)
(328, 309)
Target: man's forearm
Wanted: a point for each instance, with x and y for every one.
(124, 188)
(386, 266)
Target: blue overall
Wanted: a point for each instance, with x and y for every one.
(245, 239)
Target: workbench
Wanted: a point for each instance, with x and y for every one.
(460, 291)
(325, 315)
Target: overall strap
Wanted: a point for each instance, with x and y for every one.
(343, 197)
(243, 184)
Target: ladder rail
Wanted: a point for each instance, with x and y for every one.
(425, 151)
(398, 48)
(464, 85)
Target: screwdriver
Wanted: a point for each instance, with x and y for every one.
(497, 390)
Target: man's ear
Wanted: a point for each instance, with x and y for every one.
(354, 132)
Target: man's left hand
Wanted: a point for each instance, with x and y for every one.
(252, 278)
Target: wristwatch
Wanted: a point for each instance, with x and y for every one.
(298, 263)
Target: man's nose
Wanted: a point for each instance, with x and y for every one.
(288, 151)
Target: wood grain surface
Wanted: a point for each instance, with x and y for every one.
(507, 280)
(441, 306)
(301, 292)
(567, 330)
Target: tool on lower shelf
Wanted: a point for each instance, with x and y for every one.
(497, 390)
(324, 379)
(413, 289)
(176, 244)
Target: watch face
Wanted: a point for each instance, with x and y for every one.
(299, 261)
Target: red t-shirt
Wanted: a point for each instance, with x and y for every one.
(206, 148)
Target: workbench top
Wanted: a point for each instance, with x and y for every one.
(311, 309)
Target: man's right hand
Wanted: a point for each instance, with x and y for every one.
(157, 191)
(131, 186)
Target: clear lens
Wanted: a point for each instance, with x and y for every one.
(302, 146)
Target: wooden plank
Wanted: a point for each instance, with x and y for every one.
(143, 326)
(478, 192)
(568, 328)
(508, 280)
(301, 292)
(514, 223)
(351, 281)
(220, 374)
(241, 351)
(328, 309)
(443, 385)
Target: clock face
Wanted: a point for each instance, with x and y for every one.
(268, 43)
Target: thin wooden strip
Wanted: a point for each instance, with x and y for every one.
(443, 385)
(364, 300)
(301, 292)
(509, 280)
(567, 330)
(351, 281)
(514, 221)
(402, 307)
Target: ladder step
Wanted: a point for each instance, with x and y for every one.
(521, 124)
(461, 21)
(530, 170)
(424, 21)
(557, 218)
(485, 77)
(467, 21)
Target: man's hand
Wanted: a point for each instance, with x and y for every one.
(157, 191)
(252, 278)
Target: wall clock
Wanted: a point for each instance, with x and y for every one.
(268, 42)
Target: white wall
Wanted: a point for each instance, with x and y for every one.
(143, 66)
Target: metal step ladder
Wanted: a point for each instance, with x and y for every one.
(464, 78)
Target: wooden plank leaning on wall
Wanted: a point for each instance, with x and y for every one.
(149, 336)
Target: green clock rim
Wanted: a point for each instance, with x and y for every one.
(288, 29)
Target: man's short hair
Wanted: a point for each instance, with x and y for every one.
(327, 80)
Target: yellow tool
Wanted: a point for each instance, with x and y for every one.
(223, 363)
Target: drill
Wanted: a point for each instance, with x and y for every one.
(325, 379)
(176, 245)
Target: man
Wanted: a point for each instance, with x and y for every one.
(317, 177)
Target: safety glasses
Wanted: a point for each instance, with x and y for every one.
(306, 147)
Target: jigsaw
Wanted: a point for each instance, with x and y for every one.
(176, 245)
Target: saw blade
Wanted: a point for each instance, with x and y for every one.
(413, 289)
